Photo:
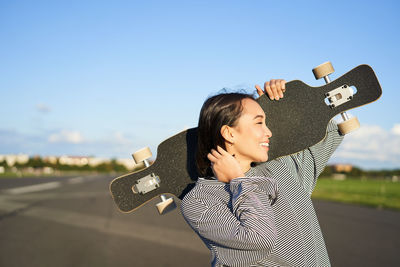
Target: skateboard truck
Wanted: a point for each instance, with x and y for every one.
(166, 204)
(149, 182)
(337, 97)
(142, 155)
(340, 96)
(146, 184)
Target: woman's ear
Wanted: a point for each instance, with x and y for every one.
(227, 133)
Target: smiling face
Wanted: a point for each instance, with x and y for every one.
(249, 139)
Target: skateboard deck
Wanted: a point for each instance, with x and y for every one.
(297, 121)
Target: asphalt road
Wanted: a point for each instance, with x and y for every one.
(72, 221)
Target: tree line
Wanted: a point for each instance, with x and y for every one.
(38, 164)
(360, 173)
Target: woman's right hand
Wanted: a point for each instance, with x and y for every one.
(224, 166)
(274, 88)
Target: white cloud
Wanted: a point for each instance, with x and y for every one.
(396, 129)
(43, 108)
(119, 138)
(67, 142)
(66, 136)
(372, 143)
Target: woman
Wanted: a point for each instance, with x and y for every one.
(258, 215)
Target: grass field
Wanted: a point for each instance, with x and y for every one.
(374, 193)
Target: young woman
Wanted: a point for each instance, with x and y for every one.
(258, 215)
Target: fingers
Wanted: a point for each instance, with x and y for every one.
(222, 151)
(217, 154)
(283, 85)
(259, 91)
(268, 90)
(211, 157)
(274, 89)
(214, 155)
(224, 166)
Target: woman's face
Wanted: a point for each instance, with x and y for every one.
(250, 137)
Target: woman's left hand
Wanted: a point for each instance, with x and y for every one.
(224, 166)
(274, 89)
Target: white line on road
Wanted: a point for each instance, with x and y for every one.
(76, 180)
(33, 188)
(45, 186)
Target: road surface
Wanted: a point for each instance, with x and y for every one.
(72, 221)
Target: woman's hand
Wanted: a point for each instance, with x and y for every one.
(224, 166)
(274, 89)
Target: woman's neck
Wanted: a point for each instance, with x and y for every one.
(245, 165)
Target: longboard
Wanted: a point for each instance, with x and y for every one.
(297, 121)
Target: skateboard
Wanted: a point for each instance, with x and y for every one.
(297, 121)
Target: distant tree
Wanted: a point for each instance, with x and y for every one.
(356, 172)
(4, 164)
(112, 166)
(117, 167)
(86, 167)
(35, 162)
(327, 172)
(104, 167)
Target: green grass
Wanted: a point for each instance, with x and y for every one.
(374, 193)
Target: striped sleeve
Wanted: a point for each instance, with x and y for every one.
(249, 225)
(311, 162)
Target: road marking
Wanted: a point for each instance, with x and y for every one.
(46, 186)
(76, 180)
(179, 239)
(33, 188)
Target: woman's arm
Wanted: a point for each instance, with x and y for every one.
(248, 224)
(312, 161)
(308, 164)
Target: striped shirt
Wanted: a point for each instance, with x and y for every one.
(268, 219)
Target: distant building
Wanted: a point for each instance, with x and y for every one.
(50, 159)
(93, 162)
(342, 168)
(13, 159)
(74, 160)
(128, 163)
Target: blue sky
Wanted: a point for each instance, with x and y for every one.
(106, 78)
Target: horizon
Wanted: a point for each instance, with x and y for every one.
(152, 159)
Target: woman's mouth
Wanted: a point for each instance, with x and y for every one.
(265, 144)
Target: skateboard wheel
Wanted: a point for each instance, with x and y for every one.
(323, 70)
(349, 125)
(165, 205)
(142, 155)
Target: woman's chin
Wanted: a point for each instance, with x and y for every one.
(262, 158)
(265, 158)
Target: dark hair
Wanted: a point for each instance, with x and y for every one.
(217, 111)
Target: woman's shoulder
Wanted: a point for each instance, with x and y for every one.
(206, 192)
(269, 168)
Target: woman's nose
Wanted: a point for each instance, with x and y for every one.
(268, 132)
